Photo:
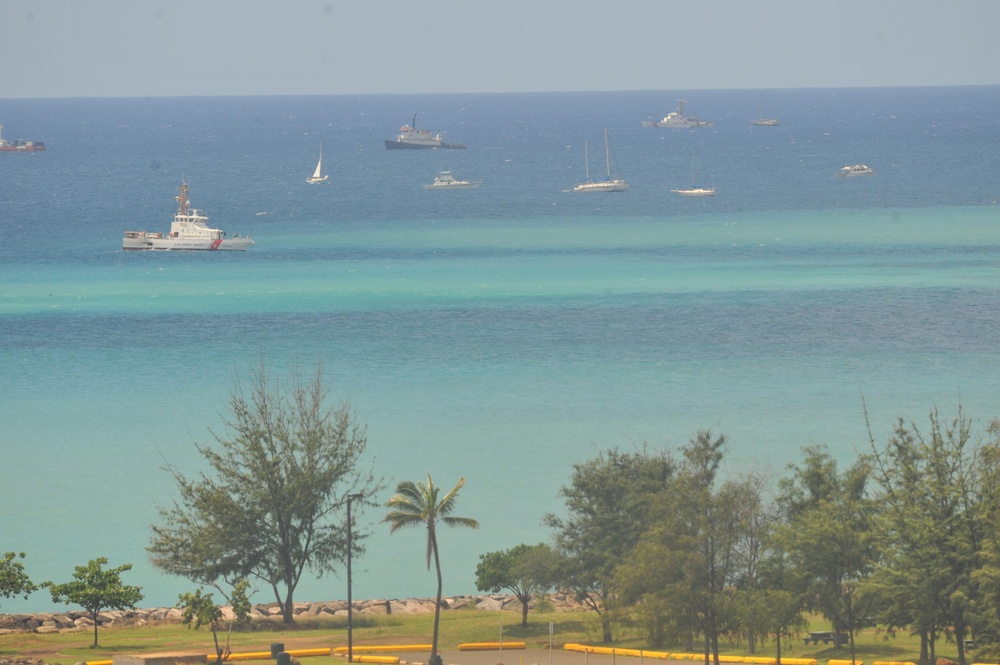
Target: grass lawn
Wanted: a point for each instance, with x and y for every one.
(457, 626)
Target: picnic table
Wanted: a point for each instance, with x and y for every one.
(826, 636)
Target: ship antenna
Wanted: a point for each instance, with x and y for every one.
(414, 125)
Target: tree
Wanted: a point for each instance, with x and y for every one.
(829, 536)
(280, 475)
(13, 580)
(95, 589)
(200, 609)
(417, 504)
(523, 570)
(607, 502)
(930, 502)
(686, 565)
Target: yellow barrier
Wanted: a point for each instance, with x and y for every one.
(757, 660)
(616, 651)
(844, 662)
(799, 661)
(892, 662)
(384, 649)
(489, 646)
(247, 655)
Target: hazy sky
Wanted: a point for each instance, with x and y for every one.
(95, 48)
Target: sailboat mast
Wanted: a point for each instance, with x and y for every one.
(586, 159)
(607, 154)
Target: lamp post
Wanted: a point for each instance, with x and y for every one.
(350, 604)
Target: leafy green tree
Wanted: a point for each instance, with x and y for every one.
(932, 525)
(13, 580)
(607, 503)
(761, 589)
(200, 609)
(688, 558)
(523, 570)
(986, 579)
(829, 536)
(95, 589)
(419, 504)
(268, 510)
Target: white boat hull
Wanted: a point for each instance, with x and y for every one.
(140, 240)
(697, 191)
(605, 186)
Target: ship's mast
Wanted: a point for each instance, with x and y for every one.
(182, 200)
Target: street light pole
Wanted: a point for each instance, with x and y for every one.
(350, 604)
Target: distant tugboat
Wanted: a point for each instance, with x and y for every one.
(411, 138)
(189, 231)
(19, 145)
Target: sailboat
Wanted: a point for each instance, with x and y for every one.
(606, 185)
(316, 178)
(695, 191)
(761, 121)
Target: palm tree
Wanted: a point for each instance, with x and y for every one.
(416, 504)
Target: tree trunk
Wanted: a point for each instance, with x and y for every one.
(435, 659)
(287, 609)
(93, 615)
(960, 633)
(524, 609)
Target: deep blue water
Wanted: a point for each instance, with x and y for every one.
(501, 334)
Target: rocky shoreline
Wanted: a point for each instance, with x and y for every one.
(78, 620)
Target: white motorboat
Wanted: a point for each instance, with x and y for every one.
(316, 177)
(445, 180)
(695, 191)
(411, 138)
(606, 185)
(677, 119)
(855, 170)
(189, 231)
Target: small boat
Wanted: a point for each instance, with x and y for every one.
(606, 185)
(411, 138)
(695, 191)
(316, 178)
(677, 119)
(855, 170)
(444, 180)
(189, 231)
(19, 145)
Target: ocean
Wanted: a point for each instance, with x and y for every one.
(502, 334)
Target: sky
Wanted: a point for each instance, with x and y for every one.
(139, 48)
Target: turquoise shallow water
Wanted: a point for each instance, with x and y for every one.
(502, 334)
